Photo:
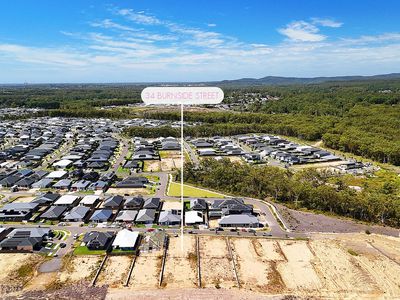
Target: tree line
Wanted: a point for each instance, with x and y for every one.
(307, 188)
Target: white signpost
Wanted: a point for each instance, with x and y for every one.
(182, 96)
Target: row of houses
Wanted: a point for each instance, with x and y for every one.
(283, 150)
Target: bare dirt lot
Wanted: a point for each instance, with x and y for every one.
(146, 271)
(115, 271)
(17, 270)
(120, 191)
(328, 266)
(152, 166)
(80, 268)
(180, 266)
(215, 265)
(311, 222)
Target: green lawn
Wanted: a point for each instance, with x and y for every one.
(190, 191)
(83, 250)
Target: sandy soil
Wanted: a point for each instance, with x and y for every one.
(119, 191)
(80, 268)
(152, 165)
(311, 222)
(181, 266)
(11, 280)
(252, 270)
(9, 262)
(24, 199)
(366, 271)
(215, 265)
(167, 205)
(169, 164)
(298, 272)
(190, 294)
(328, 266)
(115, 271)
(146, 271)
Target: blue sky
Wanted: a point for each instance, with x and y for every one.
(163, 40)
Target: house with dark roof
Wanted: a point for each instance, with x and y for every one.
(133, 202)
(113, 202)
(232, 206)
(198, 204)
(17, 212)
(152, 203)
(96, 240)
(53, 213)
(25, 239)
(133, 182)
(10, 181)
(46, 199)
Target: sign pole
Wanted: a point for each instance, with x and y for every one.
(182, 161)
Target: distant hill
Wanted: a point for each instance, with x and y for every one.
(276, 80)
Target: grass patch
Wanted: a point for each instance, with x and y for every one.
(83, 250)
(190, 191)
(352, 252)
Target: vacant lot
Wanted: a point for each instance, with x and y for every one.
(146, 271)
(215, 264)
(253, 271)
(328, 266)
(115, 271)
(16, 270)
(180, 266)
(298, 272)
(80, 268)
(152, 166)
(138, 191)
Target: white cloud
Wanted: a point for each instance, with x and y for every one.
(326, 22)
(302, 31)
(139, 17)
(120, 50)
(211, 25)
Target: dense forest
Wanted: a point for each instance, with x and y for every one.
(307, 188)
(68, 96)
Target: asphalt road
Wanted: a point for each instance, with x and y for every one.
(192, 154)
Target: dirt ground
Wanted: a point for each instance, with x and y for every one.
(146, 271)
(80, 268)
(24, 199)
(17, 269)
(311, 222)
(215, 265)
(180, 266)
(328, 266)
(152, 165)
(119, 191)
(115, 271)
(167, 205)
(253, 269)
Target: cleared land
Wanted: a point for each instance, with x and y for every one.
(328, 266)
(80, 268)
(146, 271)
(115, 271)
(216, 267)
(180, 266)
(190, 191)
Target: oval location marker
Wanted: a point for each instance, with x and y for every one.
(182, 95)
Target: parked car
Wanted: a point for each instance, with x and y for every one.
(63, 245)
